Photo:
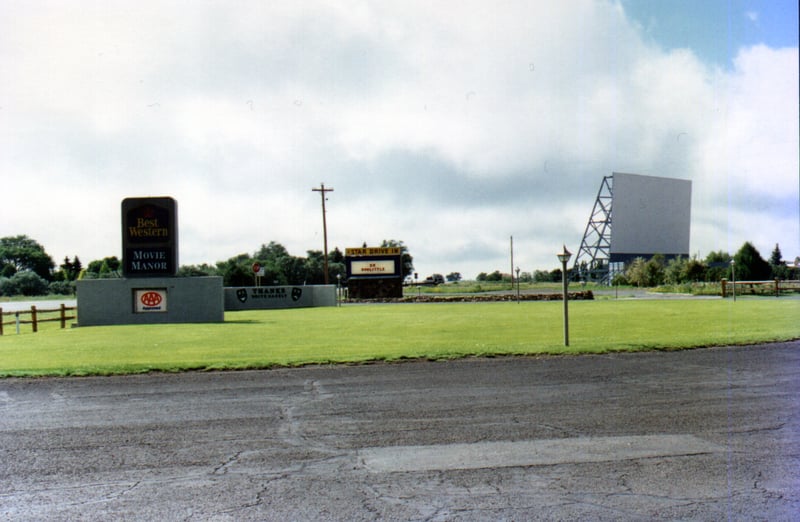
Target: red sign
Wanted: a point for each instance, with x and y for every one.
(256, 268)
(151, 299)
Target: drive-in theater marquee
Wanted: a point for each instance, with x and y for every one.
(374, 272)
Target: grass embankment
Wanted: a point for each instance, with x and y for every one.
(353, 334)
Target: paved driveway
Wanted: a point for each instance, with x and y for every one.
(696, 435)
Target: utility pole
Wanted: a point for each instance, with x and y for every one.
(322, 190)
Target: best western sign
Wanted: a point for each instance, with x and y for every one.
(149, 237)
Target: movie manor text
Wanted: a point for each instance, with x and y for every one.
(149, 260)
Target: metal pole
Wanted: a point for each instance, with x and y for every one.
(512, 263)
(566, 301)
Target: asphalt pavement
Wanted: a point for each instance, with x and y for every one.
(707, 434)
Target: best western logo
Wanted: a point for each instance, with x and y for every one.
(148, 228)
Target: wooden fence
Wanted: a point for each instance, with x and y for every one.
(773, 287)
(35, 319)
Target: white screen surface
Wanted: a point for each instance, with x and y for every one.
(650, 215)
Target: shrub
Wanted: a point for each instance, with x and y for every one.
(28, 283)
(7, 287)
(62, 288)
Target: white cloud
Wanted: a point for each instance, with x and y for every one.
(450, 126)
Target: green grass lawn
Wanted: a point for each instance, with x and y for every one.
(360, 333)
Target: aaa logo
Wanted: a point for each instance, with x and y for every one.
(151, 299)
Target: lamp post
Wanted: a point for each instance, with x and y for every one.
(517, 285)
(733, 278)
(564, 256)
(338, 289)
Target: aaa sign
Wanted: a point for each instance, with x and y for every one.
(150, 300)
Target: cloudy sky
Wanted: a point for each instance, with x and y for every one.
(448, 125)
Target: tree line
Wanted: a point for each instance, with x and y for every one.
(658, 270)
(27, 269)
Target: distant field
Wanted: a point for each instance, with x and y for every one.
(362, 333)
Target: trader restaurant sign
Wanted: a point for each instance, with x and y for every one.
(149, 237)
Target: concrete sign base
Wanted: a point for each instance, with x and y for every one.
(150, 300)
(276, 297)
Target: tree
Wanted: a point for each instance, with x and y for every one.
(495, 276)
(69, 270)
(776, 263)
(108, 267)
(777, 257)
(718, 266)
(279, 266)
(695, 270)
(750, 266)
(203, 270)
(406, 261)
(271, 252)
(21, 253)
(675, 272)
(336, 256)
(237, 271)
(453, 277)
(541, 276)
(635, 273)
(654, 269)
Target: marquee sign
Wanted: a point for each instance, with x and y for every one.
(373, 262)
(149, 237)
(374, 272)
(385, 267)
(372, 251)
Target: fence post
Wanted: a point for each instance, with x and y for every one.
(1, 320)
(16, 315)
(33, 319)
(63, 316)
(724, 284)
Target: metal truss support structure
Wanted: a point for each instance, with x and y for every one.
(593, 260)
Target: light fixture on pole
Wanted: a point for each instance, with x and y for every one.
(733, 277)
(564, 256)
(517, 284)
